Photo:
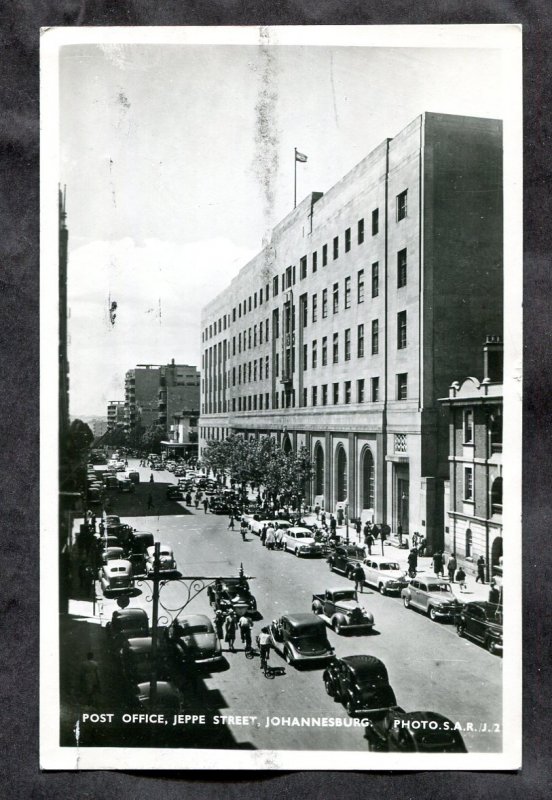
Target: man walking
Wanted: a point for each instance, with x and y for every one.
(245, 624)
(231, 523)
(205, 505)
(359, 576)
(480, 570)
(412, 562)
(451, 566)
(438, 564)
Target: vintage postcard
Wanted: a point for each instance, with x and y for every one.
(280, 376)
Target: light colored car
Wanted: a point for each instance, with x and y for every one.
(166, 559)
(385, 574)
(256, 525)
(194, 638)
(113, 554)
(300, 541)
(116, 576)
(432, 595)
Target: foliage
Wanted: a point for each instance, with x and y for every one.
(79, 437)
(152, 438)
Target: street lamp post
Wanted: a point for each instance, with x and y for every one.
(154, 615)
(347, 522)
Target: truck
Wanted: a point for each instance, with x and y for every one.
(340, 609)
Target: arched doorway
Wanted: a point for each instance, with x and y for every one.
(341, 474)
(496, 551)
(368, 479)
(318, 470)
(496, 496)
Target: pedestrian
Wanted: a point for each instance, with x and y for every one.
(206, 505)
(188, 499)
(333, 524)
(152, 479)
(278, 538)
(89, 680)
(369, 541)
(438, 563)
(317, 510)
(196, 500)
(480, 570)
(323, 518)
(150, 502)
(375, 532)
(219, 624)
(359, 577)
(494, 593)
(461, 578)
(358, 527)
(400, 534)
(422, 546)
(451, 567)
(263, 534)
(269, 541)
(245, 624)
(264, 645)
(231, 522)
(230, 630)
(412, 562)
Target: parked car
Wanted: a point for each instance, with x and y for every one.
(300, 541)
(345, 558)
(126, 486)
(136, 660)
(116, 576)
(399, 731)
(174, 493)
(301, 639)
(232, 593)
(432, 595)
(112, 554)
(360, 683)
(193, 638)
(134, 476)
(168, 699)
(127, 623)
(111, 482)
(482, 622)
(112, 519)
(94, 496)
(166, 559)
(385, 574)
(340, 609)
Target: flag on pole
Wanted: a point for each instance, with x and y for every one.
(300, 156)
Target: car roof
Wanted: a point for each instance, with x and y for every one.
(194, 619)
(118, 562)
(359, 661)
(139, 644)
(297, 528)
(129, 613)
(341, 589)
(301, 618)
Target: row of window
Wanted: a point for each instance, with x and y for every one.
(288, 277)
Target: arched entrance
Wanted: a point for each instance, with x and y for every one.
(341, 474)
(368, 478)
(496, 551)
(496, 496)
(318, 470)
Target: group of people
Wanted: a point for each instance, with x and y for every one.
(227, 624)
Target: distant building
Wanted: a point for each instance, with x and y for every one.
(345, 330)
(99, 427)
(115, 414)
(473, 495)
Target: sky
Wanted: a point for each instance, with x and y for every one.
(179, 159)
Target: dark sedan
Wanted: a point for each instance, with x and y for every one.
(360, 683)
(482, 622)
(399, 731)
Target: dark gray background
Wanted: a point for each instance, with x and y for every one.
(19, 417)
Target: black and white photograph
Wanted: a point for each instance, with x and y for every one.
(281, 362)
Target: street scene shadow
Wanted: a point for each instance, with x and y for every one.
(147, 499)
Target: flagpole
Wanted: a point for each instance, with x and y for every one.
(295, 178)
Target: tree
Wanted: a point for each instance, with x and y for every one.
(152, 438)
(79, 438)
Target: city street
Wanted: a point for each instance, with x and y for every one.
(430, 667)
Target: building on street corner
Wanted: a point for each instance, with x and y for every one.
(367, 302)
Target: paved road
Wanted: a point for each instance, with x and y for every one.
(429, 666)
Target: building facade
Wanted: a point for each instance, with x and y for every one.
(115, 414)
(473, 495)
(343, 332)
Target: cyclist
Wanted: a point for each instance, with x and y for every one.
(245, 623)
(263, 640)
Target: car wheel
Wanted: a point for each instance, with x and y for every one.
(406, 601)
(329, 688)
(460, 630)
(491, 646)
(289, 658)
(297, 552)
(432, 614)
(350, 705)
(336, 625)
(382, 588)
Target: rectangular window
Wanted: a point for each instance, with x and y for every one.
(374, 390)
(347, 240)
(375, 221)
(375, 279)
(255, 370)
(324, 254)
(324, 350)
(260, 297)
(304, 311)
(360, 231)
(233, 345)
(401, 330)
(305, 356)
(335, 298)
(314, 395)
(401, 205)
(468, 426)
(324, 394)
(347, 292)
(468, 483)
(360, 390)
(335, 394)
(254, 336)
(260, 333)
(275, 286)
(375, 337)
(314, 354)
(261, 402)
(288, 277)
(402, 386)
(250, 304)
(314, 261)
(239, 403)
(360, 340)
(304, 396)
(255, 300)
(335, 349)
(401, 268)
(324, 303)
(360, 286)
(239, 342)
(336, 247)
(314, 307)
(233, 404)
(249, 338)
(303, 268)
(276, 364)
(348, 344)
(266, 371)
(267, 400)
(347, 398)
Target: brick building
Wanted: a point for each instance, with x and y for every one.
(343, 332)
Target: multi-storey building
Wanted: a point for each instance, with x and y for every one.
(115, 414)
(473, 496)
(343, 332)
(155, 393)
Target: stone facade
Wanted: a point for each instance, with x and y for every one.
(368, 300)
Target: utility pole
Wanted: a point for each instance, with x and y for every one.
(154, 614)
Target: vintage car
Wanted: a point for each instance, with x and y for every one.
(112, 553)
(134, 476)
(482, 622)
(168, 699)
(340, 609)
(179, 472)
(361, 684)
(174, 493)
(110, 540)
(116, 577)
(126, 486)
(385, 574)
(94, 496)
(432, 595)
(110, 482)
(301, 542)
(166, 559)
(399, 731)
(301, 639)
(136, 660)
(346, 558)
(126, 623)
(232, 593)
(112, 519)
(193, 638)
(256, 525)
